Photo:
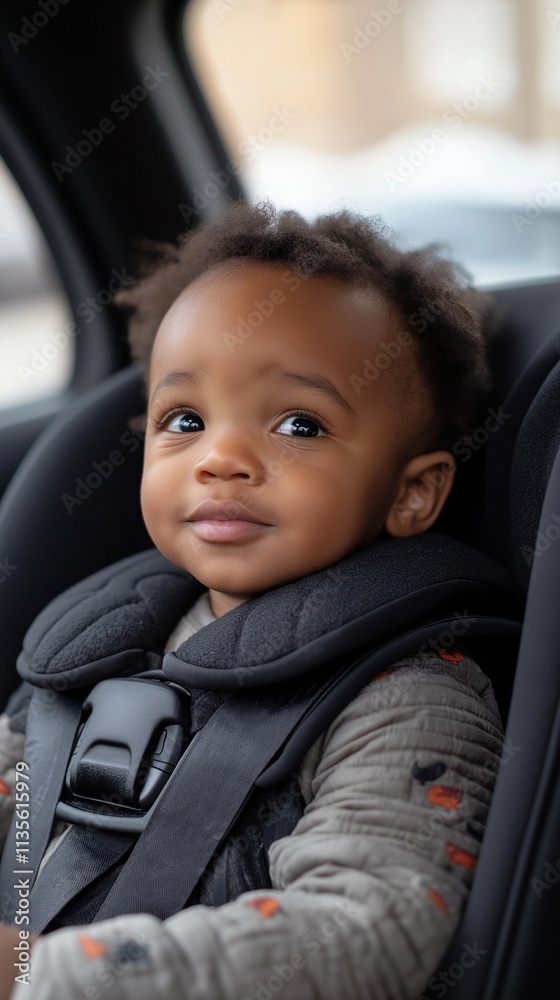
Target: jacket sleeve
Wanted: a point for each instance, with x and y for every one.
(368, 887)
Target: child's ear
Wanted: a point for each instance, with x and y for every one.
(422, 489)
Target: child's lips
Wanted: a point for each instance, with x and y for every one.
(225, 520)
(226, 531)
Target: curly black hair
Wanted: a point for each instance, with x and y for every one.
(431, 294)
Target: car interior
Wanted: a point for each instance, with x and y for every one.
(108, 129)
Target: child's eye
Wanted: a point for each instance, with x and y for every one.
(186, 421)
(305, 424)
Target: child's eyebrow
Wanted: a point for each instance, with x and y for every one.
(173, 378)
(312, 381)
(309, 379)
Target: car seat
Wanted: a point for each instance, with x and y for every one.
(513, 910)
(72, 507)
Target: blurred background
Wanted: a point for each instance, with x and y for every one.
(440, 115)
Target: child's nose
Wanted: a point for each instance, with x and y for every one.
(230, 454)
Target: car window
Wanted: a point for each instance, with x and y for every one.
(36, 342)
(440, 115)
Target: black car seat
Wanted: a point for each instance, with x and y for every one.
(71, 508)
(513, 911)
(502, 476)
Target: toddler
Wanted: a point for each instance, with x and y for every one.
(306, 383)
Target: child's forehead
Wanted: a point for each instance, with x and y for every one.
(245, 337)
(265, 293)
(246, 312)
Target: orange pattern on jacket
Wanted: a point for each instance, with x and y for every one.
(266, 905)
(461, 857)
(438, 900)
(445, 795)
(453, 655)
(90, 947)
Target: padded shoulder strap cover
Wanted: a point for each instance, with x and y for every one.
(373, 593)
(133, 604)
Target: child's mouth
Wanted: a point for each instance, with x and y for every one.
(221, 520)
(225, 531)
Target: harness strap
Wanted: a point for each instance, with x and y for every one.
(346, 685)
(86, 853)
(52, 723)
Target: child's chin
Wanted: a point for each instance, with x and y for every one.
(248, 587)
(236, 584)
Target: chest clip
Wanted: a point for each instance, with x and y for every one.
(134, 732)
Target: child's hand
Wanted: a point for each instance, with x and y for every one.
(9, 939)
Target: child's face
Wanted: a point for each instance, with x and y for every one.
(320, 492)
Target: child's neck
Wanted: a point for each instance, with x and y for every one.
(221, 603)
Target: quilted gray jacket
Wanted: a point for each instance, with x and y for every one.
(368, 887)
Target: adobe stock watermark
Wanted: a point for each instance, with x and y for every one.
(31, 26)
(447, 638)
(442, 981)
(453, 118)
(463, 449)
(6, 570)
(121, 108)
(248, 149)
(101, 471)
(389, 352)
(466, 447)
(366, 33)
(545, 538)
(225, 7)
(264, 308)
(132, 953)
(419, 321)
(312, 943)
(553, 18)
(59, 340)
(534, 207)
(550, 877)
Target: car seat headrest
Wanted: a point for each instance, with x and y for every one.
(536, 448)
(502, 508)
(73, 505)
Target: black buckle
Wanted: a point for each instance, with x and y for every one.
(124, 753)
